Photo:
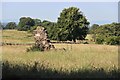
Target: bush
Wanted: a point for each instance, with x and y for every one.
(85, 42)
(34, 48)
(113, 40)
(99, 41)
(11, 25)
(25, 23)
(108, 34)
(33, 28)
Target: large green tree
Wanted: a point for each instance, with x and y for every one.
(51, 28)
(11, 25)
(37, 22)
(25, 23)
(72, 24)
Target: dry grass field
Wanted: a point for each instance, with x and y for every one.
(79, 56)
(76, 57)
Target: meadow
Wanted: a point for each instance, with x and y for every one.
(78, 60)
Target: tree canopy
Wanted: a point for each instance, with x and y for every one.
(11, 25)
(107, 34)
(37, 22)
(72, 24)
(93, 28)
(51, 28)
(25, 23)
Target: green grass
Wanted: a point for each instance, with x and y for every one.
(15, 36)
(77, 57)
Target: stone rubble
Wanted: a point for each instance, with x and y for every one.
(41, 39)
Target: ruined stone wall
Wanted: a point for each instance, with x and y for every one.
(41, 39)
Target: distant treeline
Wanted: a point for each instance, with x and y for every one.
(71, 25)
(106, 34)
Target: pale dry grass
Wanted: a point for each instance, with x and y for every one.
(79, 56)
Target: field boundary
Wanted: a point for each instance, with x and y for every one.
(9, 43)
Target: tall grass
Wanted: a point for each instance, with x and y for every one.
(78, 60)
(80, 57)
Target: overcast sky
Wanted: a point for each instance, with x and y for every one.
(95, 12)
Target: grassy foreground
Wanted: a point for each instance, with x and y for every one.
(78, 60)
(82, 61)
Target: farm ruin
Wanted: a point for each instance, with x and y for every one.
(41, 39)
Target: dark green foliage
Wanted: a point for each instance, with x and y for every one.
(1, 26)
(34, 48)
(25, 23)
(72, 25)
(107, 34)
(113, 40)
(85, 42)
(99, 41)
(51, 28)
(37, 22)
(93, 28)
(32, 29)
(11, 25)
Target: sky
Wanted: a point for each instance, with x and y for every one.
(119, 11)
(95, 12)
(59, 0)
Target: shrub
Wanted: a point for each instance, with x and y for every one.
(108, 34)
(85, 42)
(34, 48)
(32, 28)
(99, 41)
(113, 40)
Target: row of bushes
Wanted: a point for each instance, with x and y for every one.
(109, 41)
(106, 34)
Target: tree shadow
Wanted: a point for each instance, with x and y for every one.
(17, 72)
